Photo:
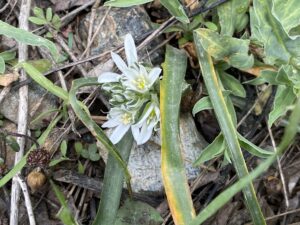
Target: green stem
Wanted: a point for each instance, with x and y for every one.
(113, 183)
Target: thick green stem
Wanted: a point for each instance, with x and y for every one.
(113, 183)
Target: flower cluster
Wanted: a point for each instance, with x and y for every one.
(134, 102)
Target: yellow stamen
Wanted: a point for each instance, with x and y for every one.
(126, 118)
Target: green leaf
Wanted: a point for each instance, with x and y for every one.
(172, 166)
(38, 77)
(176, 9)
(287, 13)
(233, 16)
(85, 154)
(226, 122)
(113, 183)
(2, 65)
(56, 22)
(37, 21)
(125, 3)
(203, 104)
(80, 168)
(78, 147)
(253, 149)
(284, 97)
(64, 213)
(214, 149)
(27, 38)
(38, 12)
(54, 162)
(8, 55)
(63, 148)
(49, 14)
(266, 76)
(265, 28)
(232, 50)
(137, 213)
(93, 152)
(232, 84)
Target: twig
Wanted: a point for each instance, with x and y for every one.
(92, 19)
(61, 42)
(22, 114)
(280, 170)
(27, 200)
(4, 7)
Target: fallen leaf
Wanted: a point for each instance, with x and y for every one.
(7, 79)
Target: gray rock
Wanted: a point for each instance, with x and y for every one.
(144, 162)
(118, 23)
(37, 95)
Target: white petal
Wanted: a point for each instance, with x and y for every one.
(119, 62)
(108, 77)
(153, 75)
(136, 133)
(130, 50)
(146, 133)
(145, 116)
(111, 123)
(118, 133)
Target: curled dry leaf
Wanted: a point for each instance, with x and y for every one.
(7, 79)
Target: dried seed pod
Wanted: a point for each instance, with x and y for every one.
(38, 158)
(36, 179)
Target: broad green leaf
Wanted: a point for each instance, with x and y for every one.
(233, 16)
(287, 13)
(253, 149)
(63, 148)
(266, 76)
(37, 21)
(27, 38)
(232, 50)
(203, 104)
(2, 65)
(125, 3)
(64, 213)
(265, 28)
(137, 213)
(214, 149)
(226, 123)
(49, 14)
(232, 84)
(284, 97)
(176, 9)
(8, 55)
(172, 166)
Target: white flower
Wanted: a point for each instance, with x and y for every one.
(121, 120)
(131, 92)
(142, 130)
(135, 75)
